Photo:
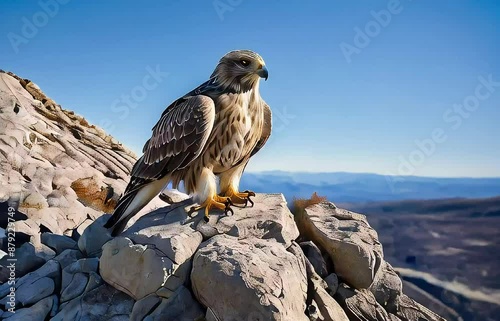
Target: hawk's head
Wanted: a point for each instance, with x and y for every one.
(240, 70)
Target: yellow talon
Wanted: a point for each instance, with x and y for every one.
(240, 197)
(217, 202)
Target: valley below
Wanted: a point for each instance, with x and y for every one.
(448, 248)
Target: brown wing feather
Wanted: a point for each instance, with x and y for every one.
(178, 138)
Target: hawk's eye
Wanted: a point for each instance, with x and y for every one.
(244, 62)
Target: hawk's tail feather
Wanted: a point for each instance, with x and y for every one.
(132, 202)
(119, 227)
(120, 208)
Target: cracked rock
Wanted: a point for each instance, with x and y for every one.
(140, 270)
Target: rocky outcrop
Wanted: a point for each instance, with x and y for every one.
(166, 266)
(261, 263)
(371, 289)
(58, 171)
(49, 156)
(347, 238)
(54, 166)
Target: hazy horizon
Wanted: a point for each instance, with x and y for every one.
(367, 187)
(368, 173)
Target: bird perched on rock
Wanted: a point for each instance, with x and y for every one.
(210, 132)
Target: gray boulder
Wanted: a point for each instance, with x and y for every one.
(249, 279)
(75, 278)
(94, 236)
(140, 270)
(164, 230)
(349, 240)
(269, 218)
(58, 243)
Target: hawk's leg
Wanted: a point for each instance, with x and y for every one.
(229, 185)
(215, 202)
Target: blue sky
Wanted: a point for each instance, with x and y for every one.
(357, 86)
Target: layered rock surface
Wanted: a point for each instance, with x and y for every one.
(55, 167)
(58, 171)
(262, 263)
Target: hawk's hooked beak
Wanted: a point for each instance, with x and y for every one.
(262, 72)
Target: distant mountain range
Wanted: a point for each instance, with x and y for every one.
(356, 188)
